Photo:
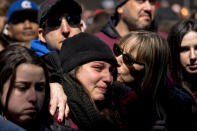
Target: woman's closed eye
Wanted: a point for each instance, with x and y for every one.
(98, 68)
(22, 86)
(25, 85)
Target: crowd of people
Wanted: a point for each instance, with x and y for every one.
(120, 73)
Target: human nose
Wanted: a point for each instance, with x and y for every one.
(32, 97)
(119, 60)
(193, 55)
(27, 23)
(65, 29)
(107, 76)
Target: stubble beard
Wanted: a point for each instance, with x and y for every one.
(137, 25)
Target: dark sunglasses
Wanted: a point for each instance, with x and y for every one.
(55, 22)
(127, 59)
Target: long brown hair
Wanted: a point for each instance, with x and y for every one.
(153, 51)
(175, 37)
(10, 58)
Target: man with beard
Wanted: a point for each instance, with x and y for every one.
(129, 15)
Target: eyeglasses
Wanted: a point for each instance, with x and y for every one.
(55, 22)
(127, 59)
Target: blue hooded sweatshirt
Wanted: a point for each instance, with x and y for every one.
(39, 47)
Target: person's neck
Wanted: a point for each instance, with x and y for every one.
(122, 28)
(189, 82)
(31, 127)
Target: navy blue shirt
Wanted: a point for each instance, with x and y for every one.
(6, 125)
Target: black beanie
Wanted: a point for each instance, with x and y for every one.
(83, 48)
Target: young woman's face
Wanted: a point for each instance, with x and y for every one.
(128, 73)
(96, 76)
(27, 96)
(188, 52)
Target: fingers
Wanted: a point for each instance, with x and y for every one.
(62, 107)
(53, 100)
(58, 99)
(53, 106)
(67, 110)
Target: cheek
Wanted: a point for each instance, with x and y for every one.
(15, 102)
(183, 58)
(51, 39)
(88, 81)
(35, 26)
(41, 98)
(88, 84)
(48, 37)
(124, 74)
(123, 69)
(16, 28)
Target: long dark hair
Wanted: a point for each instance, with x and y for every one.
(10, 58)
(175, 37)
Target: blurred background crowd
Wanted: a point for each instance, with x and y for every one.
(168, 12)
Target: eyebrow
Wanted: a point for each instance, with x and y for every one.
(99, 62)
(25, 82)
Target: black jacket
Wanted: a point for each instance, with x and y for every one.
(138, 115)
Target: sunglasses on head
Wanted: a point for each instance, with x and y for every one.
(55, 22)
(127, 59)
